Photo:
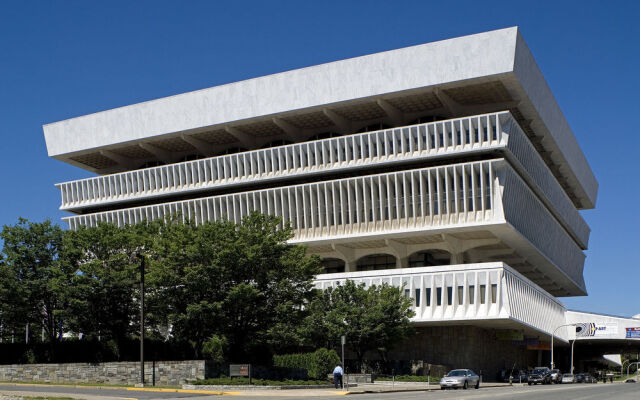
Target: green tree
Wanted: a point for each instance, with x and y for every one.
(33, 278)
(372, 318)
(103, 292)
(241, 282)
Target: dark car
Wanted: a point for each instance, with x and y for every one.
(539, 375)
(585, 378)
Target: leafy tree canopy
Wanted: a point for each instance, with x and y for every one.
(372, 318)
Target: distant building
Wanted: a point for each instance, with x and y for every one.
(447, 167)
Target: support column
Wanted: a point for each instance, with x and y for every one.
(348, 255)
(399, 250)
(457, 258)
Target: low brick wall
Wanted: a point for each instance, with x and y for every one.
(165, 373)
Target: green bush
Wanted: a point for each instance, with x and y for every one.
(215, 347)
(318, 364)
(408, 378)
(258, 382)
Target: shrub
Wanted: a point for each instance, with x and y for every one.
(408, 378)
(215, 347)
(318, 364)
(258, 382)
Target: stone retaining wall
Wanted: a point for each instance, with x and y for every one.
(164, 373)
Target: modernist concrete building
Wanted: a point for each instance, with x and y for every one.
(447, 167)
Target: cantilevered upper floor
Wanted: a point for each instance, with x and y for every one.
(471, 75)
(433, 143)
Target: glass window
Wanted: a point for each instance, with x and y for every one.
(460, 294)
(427, 297)
(332, 265)
(429, 258)
(406, 293)
(417, 297)
(449, 295)
(439, 296)
(376, 262)
(483, 294)
(494, 293)
(472, 294)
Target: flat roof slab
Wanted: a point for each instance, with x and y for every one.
(500, 55)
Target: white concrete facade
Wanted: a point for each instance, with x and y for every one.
(446, 167)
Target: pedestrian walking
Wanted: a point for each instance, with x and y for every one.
(337, 376)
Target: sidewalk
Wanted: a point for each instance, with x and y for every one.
(111, 392)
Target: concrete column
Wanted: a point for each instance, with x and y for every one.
(350, 266)
(457, 258)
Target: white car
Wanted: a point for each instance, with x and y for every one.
(460, 378)
(568, 378)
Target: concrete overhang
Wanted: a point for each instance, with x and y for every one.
(525, 258)
(473, 74)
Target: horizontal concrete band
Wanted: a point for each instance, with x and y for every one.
(466, 293)
(402, 203)
(459, 137)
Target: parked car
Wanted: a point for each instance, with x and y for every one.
(539, 375)
(460, 378)
(556, 375)
(568, 378)
(587, 378)
(521, 376)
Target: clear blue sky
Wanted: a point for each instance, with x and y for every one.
(61, 59)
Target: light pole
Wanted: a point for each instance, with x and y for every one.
(142, 262)
(552, 336)
(622, 368)
(630, 364)
(572, 343)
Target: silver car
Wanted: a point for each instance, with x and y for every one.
(460, 378)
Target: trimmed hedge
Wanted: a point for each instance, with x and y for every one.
(317, 364)
(258, 382)
(91, 351)
(408, 378)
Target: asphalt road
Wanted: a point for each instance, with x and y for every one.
(617, 391)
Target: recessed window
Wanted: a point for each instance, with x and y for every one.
(460, 294)
(376, 262)
(449, 295)
(472, 293)
(417, 297)
(483, 294)
(429, 258)
(406, 293)
(427, 297)
(439, 296)
(494, 293)
(332, 265)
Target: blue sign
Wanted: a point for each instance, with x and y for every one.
(633, 333)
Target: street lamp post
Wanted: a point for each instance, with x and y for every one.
(622, 367)
(572, 343)
(630, 364)
(552, 336)
(142, 262)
